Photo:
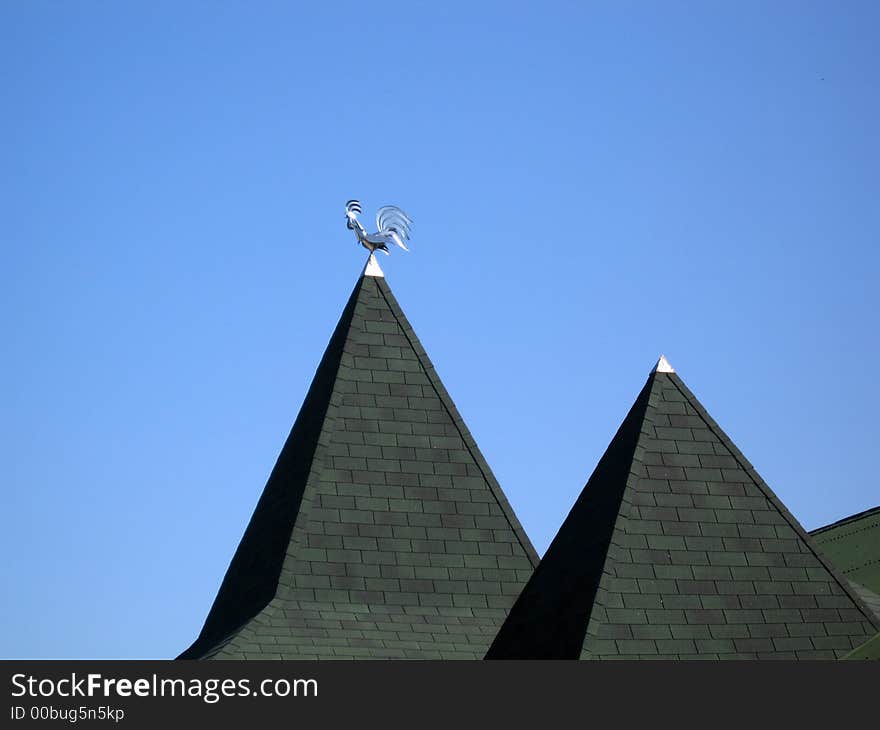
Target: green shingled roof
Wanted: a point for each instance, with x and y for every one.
(381, 532)
(869, 650)
(676, 548)
(853, 545)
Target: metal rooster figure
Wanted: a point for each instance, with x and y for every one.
(392, 223)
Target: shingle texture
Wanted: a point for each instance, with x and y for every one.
(381, 532)
(853, 545)
(676, 548)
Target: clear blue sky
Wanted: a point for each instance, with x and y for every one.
(592, 184)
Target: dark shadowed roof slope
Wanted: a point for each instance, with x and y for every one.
(676, 548)
(381, 531)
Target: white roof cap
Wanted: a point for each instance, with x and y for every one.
(663, 366)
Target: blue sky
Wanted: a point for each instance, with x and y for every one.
(592, 184)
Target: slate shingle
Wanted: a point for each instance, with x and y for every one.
(677, 548)
(381, 532)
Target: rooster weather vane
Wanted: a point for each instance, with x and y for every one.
(392, 223)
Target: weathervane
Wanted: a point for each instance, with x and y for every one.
(392, 223)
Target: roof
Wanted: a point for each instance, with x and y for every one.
(853, 545)
(676, 548)
(381, 532)
(869, 650)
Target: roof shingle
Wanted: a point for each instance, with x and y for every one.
(381, 532)
(676, 548)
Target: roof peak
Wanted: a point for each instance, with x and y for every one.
(724, 533)
(663, 366)
(379, 473)
(372, 268)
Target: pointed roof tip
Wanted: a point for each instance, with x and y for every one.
(663, 366)
(560, 613)
(252, 607)
(372, 268)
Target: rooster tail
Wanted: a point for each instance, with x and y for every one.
(394, 222)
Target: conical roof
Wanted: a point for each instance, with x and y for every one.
(676, 548)
(381, 531)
